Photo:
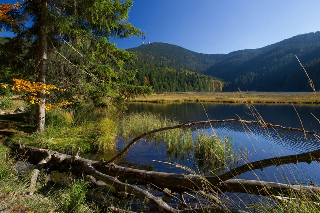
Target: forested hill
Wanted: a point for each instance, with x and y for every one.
(270, 68)
(175, 56)
(169, 68)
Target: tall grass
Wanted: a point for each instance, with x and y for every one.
(14, 184)
(178, 141)
(213, 151)
(87, 127)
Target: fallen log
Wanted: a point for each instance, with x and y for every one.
(182, 182)
(138, 192)
(36, 172)
(270, 189)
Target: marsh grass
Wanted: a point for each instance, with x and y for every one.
(213, 151)
(87, 127)
(235, 98)
(210, 151)
(178, 141)
(296, 202)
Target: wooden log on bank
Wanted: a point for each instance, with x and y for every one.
(36, 172)
(181, 182)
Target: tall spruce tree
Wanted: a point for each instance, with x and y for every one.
(72, 38)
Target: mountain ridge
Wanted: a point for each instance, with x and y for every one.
(269, 68)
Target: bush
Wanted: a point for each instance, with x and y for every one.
(6, 102)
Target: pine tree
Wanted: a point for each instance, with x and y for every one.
(81, 29)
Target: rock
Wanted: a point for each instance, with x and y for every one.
(19, 110)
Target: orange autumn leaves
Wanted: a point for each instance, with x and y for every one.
(32, 88)
(5, 9)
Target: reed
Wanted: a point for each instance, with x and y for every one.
(135, 124)
(212, 150)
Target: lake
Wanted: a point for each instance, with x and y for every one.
(260, 143)
(256, 142)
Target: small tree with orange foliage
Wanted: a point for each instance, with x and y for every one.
(32, 88)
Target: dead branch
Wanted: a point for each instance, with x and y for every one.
(266, 188)
(307, 157)
(185, 125)
(138, 192)
(36, 172)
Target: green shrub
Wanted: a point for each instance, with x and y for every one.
(73, 198)
(57, 118)
(6, 102)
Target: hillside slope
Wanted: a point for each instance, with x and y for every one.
(270, 68)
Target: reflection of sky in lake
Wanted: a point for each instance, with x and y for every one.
(261, 143)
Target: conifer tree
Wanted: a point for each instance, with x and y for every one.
(81, 29)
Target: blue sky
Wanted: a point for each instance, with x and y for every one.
(221, 26)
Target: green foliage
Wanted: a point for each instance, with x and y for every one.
(5, 163)
(174, 56)
(271, 68)
(6, 102)
(81, 58)
(73, 197)
(85, 126)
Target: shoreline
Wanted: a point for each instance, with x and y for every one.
(233, 98)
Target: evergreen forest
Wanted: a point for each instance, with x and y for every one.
(270, 68)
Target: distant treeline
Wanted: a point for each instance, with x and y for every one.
(170, 79)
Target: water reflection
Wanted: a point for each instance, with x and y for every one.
(260, 142)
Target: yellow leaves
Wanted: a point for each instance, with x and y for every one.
(57, 106)
(4, 86)
(33, 88)
(5, 8)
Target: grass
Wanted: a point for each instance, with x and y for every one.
(212, 151)
(86, 127)
(14, 185)
(178, 141)
(235, 97)
(95, 129)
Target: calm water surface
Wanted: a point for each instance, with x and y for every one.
(260, 143)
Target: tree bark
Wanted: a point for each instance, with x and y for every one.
(43, 51)
(36, 172)
(258, 187)
(181, 182)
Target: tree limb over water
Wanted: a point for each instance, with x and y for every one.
(187, 124)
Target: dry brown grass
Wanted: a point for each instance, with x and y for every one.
(237, 97)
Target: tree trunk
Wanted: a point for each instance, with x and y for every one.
(41, 111)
